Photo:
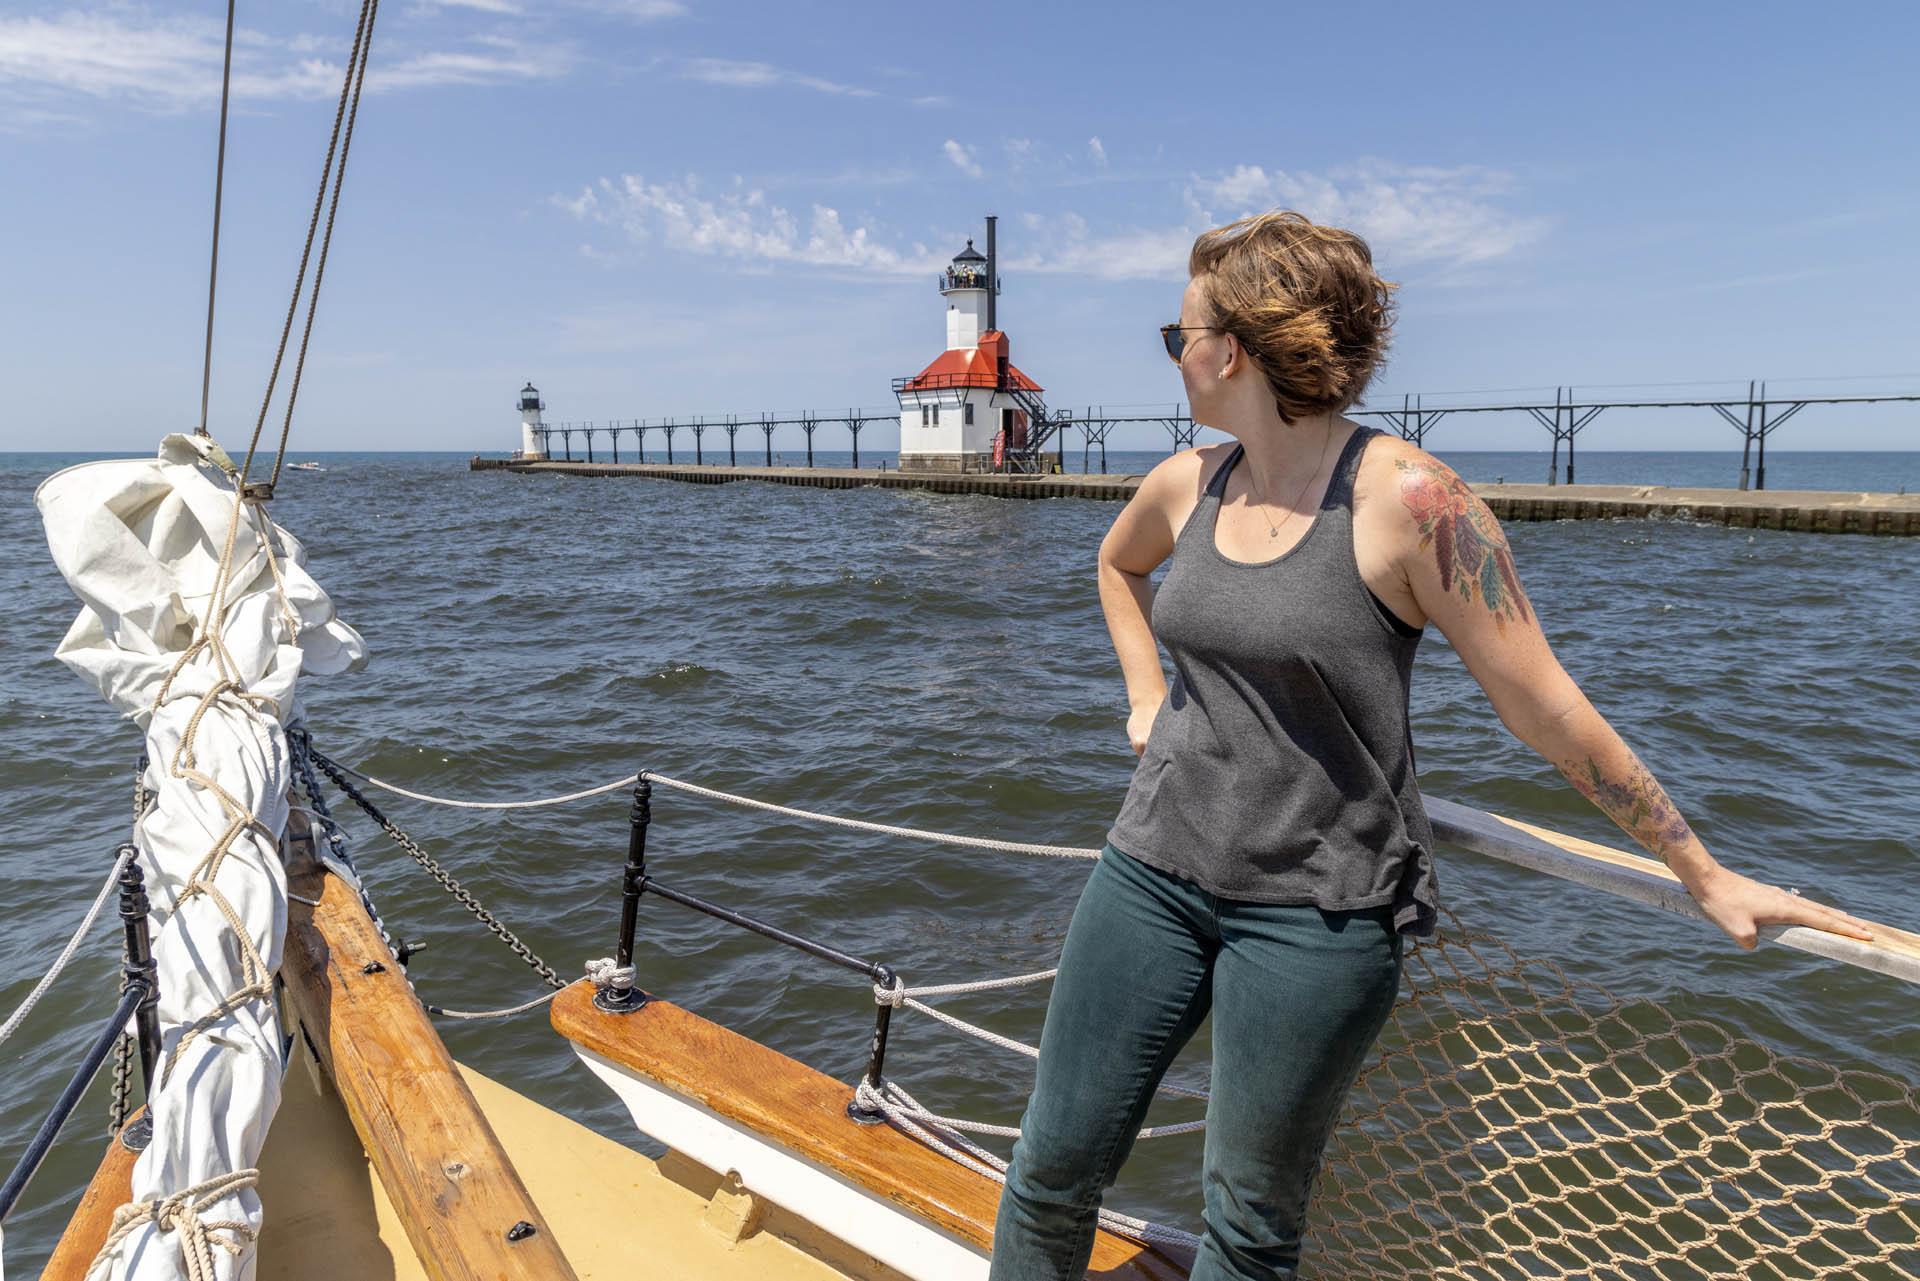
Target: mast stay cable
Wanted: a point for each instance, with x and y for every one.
(219, 184)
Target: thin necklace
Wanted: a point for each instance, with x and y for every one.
(1273, 530)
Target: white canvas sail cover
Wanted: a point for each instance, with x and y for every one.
(140, 541)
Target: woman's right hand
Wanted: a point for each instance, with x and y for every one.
(1140, 723)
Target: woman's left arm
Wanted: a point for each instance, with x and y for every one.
(1461, 574)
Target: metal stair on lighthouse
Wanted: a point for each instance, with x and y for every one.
(1025, 456)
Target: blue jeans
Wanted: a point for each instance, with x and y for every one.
(1297, 994)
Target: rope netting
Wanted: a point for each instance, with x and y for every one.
(1516, 1122)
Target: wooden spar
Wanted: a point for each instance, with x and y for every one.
(1894, 952)
(464, 1207)
(86, 1231)
(794, 1109)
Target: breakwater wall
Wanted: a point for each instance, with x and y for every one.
(1807, 510)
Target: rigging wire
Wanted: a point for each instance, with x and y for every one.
(219, 184)
(337, 144)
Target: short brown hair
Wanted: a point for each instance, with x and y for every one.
(1305, 302)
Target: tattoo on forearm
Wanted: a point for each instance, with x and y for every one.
(1468, 545)
(1637, 803)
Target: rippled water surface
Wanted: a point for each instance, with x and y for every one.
(941, 662)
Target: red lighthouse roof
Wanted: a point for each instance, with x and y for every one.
(982, 366)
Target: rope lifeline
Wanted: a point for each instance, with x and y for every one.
(900, 996)
(731, 798)
(52, 975)
(904, 1111)
(521, 1008)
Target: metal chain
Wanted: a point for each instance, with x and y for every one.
(440, 874)
(123, 1048)
(300, 754)
(122, 1084)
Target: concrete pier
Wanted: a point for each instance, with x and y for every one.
(1058, 485)
(1809, 510)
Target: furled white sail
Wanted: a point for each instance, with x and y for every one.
(141, 541)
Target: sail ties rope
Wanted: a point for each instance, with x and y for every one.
(180, 1213)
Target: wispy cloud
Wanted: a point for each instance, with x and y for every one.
(1413, 216)
(1097, 151)
(741, 224)
(962, 157)
(173, 64)
(740, 74)
(637, 10)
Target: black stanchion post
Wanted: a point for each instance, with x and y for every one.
(633, 880)
(37, 1147)
(883, 977)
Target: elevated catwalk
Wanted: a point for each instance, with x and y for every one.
(1816, 511)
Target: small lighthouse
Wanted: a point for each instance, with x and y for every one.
(971, 409)
(533, 445)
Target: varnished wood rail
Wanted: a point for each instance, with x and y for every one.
(86, 1231)
(804, 1112)
(466, 1212)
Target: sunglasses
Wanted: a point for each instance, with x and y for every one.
(1174, 336)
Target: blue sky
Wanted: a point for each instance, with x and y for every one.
(676, 206)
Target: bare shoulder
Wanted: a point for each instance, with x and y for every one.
(1175, 482)
(1143, 534)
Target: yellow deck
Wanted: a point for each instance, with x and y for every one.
(614, 1209)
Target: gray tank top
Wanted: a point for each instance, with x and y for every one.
(1280, 768)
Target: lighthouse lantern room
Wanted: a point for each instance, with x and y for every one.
(971, 409)
(533, 445)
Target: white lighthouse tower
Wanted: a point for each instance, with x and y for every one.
(533, 445)
(971, 404)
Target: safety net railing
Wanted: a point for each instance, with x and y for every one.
(1516, 1122)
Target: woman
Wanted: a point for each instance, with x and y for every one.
(1272, 854)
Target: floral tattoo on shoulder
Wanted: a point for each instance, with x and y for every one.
(1469, 548)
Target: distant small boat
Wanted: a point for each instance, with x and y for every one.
(306, 466)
